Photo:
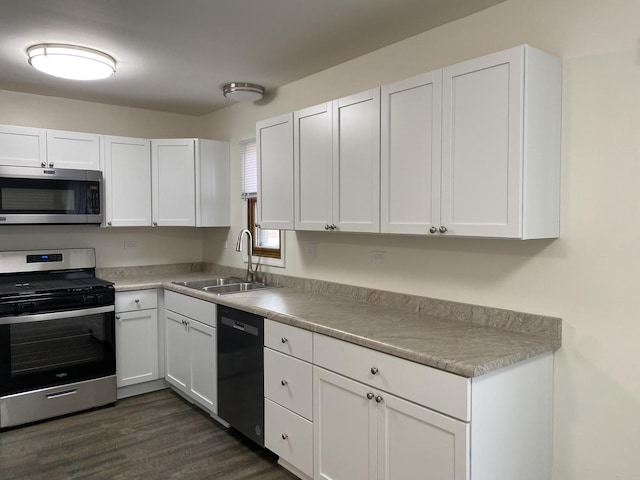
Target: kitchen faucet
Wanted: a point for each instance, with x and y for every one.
(250, 272)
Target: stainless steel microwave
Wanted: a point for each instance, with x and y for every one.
(33, 195)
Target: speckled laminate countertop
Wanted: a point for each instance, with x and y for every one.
(454, 346)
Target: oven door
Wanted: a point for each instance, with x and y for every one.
(38, 196)
(50, 349)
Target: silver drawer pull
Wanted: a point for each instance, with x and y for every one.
(379, 398)
(284, 340)
(285, 436)
(64, 393)
(283, 382)
(137, 300)
(374, 371)
(370, 395)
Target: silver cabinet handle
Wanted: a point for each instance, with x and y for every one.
(51, 164)
(374, 371)
(109, 223)
(379, 398)
(43, 164)
(433, 230)
(118, 317)
(137, 300)
(370, 395)
(327, 227)
(283, 382)
(155, 224)
(285, 436)
(284, 339)
(333, 227)
(257, 225)
(443, 229)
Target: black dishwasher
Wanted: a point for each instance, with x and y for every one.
(240, 371)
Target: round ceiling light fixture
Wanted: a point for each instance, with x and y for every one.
(71, 61)
(243, 92)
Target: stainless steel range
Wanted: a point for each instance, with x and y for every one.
(57, 335)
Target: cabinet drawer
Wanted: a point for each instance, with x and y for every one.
(287, 339)
(136, 300)
(296, 375)
(433, 388)
(289, 436)
(194, 308)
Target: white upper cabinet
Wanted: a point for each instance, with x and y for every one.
(356, 162)
(23, 146)
(411, 112)
(73, 150)
(501, 145)
(313, 164)
(274, 143)
(127, 181)
(173, 182)
(190, 183)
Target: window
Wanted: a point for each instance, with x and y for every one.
(266, 243)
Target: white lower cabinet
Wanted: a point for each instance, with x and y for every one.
(379, 417)
(288, 404)
(190, 355)
(364, 433)
(137, 356)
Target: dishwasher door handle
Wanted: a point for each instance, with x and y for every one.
(241, 327)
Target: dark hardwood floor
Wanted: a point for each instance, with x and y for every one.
(154, 436)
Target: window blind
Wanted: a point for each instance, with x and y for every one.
(249, 159)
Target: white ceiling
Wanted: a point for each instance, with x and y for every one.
(175, 55)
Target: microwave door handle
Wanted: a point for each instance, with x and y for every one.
(41, 317)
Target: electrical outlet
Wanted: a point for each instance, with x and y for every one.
(130, 244)
(377, 256)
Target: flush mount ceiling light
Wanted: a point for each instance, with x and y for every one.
(71, 61)
(243, 92)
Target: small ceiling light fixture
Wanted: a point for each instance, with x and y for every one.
(71, 61)
(243, 92)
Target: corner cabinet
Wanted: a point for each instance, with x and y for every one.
(501, 127)
(127, 181)
(191, 349)
(274, 144)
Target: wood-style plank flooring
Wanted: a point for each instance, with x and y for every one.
(154, 436)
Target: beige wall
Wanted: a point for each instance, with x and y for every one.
(161, 245)
(588, 276)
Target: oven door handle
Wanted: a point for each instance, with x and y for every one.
(41, 317)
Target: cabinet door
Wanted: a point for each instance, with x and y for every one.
(274, 143)
(203, 364)
(73, 150)
(356, 162)
(415, 442)
(345, 429)
(482, 145)
(411, 155)
(23, 146)
(136, 347)
(313, 153)
(177, 358)
(173, 183)
(127, 181)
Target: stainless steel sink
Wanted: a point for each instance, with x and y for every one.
(222, 286)
(235, 287)
(211, 282)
